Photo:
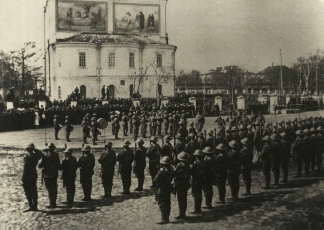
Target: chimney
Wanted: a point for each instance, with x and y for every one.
(272, 64)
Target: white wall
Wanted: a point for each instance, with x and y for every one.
(66, 73)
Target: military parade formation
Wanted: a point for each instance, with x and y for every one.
(197, 159)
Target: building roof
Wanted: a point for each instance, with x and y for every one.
(108, 38)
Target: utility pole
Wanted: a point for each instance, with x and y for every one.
(45, 85)
(23, 74)
(281, 83)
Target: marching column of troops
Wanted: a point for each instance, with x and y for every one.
(196, 160)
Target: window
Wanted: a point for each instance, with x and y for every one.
(159, 60)
(131, 60)
(59, 92)
(122, 82)
(112, 60)
(82, 59)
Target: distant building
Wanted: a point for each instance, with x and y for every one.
(119, 45)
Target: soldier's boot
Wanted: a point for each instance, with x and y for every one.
(233, 192)
(197, 206)
(35, 203)
(30, 204)
(276, 178)
(164, 216)
(208, 202)
(267, 183)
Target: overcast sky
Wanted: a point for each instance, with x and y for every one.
(208, 33)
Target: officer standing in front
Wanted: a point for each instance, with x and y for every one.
(51, 164)
(108, 161)
(29, 176)
(69, 168)
(163, 185)
(68, 128)
(86, 164)
(182, 175)
(246, 165)
(125, 159)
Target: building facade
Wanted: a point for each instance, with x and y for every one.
(122, 45)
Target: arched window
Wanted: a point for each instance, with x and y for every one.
(83, 91)
(111, 91)
(59, 92)
(131, 90)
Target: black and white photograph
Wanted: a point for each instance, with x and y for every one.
(161, 114)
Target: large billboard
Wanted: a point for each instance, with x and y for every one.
(136, 19)
(81, 16)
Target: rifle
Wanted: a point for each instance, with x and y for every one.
(134, 165)
(205, 133)
(214, 139)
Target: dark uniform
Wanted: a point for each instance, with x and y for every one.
(266, 161)
(153, 153)
(297, 150)
(182, 175)
(86, 164)
(209, 175)
(68, 129)
(307, 151)
(167, 149)
(125, 159)
(285, 147)
(94, 130)
(162, 181)
(85, 129)
(179, 147)
(246, 165)
(51, 164)
(275, 157)
(29, 176)
(116, 127)
(221, 162)
(319, 150)
(234, 169)
(125, 124)
(69, 167)
(143, 126)
(313, 144)
(108, 161)
(191, 147)
(197, 179)
(140, 165)
(57, 127)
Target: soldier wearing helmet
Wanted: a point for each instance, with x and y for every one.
(108, 161)
(140, 164)
(167, 149)
(29, 176)
(57, 127)
(246, 156)
(51, 164)
(182, 175)
(221, 162)
(285, 147)
(313, 144)
(320, 149)
(69, 168)
(266, 161)
(125, 159)
(233, 169)
(86, 164)
(197, 173)
(307, 150)
(68, 128)
(116, 127)
(162, 181)
(153, 153)
(276, 157)
(209, 176)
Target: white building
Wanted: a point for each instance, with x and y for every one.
(111, 43)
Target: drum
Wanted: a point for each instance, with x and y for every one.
(102, 123)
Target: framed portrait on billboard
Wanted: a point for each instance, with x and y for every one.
(136, 18)
(81, 16)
